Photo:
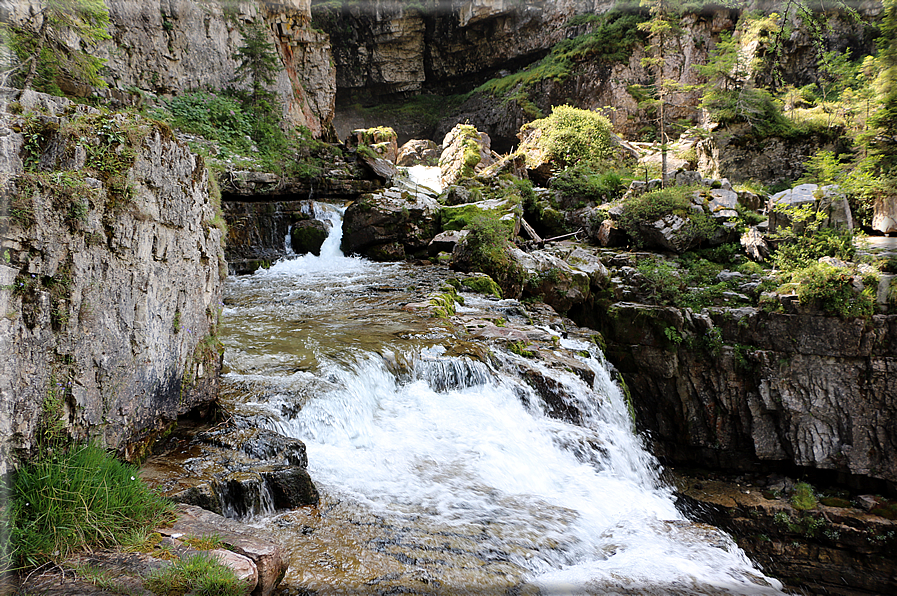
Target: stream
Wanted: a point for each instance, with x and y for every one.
(440, 469)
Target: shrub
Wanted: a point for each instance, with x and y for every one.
(77, 497)
(486, 249)
(570, 135)
(213, 116)
(585, 181)
(657, 204)
(831, 289)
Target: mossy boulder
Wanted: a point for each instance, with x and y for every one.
(459, 217)
(466, 152)
(382, 140)
(308, 236)
(482, 284)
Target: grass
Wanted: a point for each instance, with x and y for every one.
(74, 498)
(200, 575)
(803, 497)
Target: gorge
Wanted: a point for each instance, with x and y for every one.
(301, 334)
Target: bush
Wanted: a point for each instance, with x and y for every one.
(78, 497)
(831, 289)
(213, 116)
(803, 497)
(486, 249)
(585, 181)
(570, 135)
(657, 204)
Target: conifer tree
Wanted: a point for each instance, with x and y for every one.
(258, 64)
(40, 44)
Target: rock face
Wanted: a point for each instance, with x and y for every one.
(751, 387)
(180, 45)
(465, 151)
(110, 288)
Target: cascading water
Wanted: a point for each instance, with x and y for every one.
(441, 473)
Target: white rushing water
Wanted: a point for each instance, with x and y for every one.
(462, 444)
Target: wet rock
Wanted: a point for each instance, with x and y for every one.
(258, 443)
(446, 241)
(418, 152)
(243, 567)
(390, 218)
(382, 140)
(308, 236)
(553, 280)
(291, 487)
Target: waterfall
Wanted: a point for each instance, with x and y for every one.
(452, 449)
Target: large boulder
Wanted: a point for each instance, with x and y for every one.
(458, 217)
(552, 280)
(404, 221)
(382, 139)
(418, 152)
(827, 202)
(465, 152)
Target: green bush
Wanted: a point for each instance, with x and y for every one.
(486, 248)
(585, 181)
(214, 116)
(831, 289)
(802, 497)
(656, 204)
(77, 497)
(570, 135)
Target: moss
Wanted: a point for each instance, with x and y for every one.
(803, 497)
(520, 348)
(483, 284)
(459, 217)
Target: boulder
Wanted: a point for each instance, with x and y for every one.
(381, 168)
(418, 152)
(884, 215)
(553, 280)
(446, 241)
(308, 236)
(391, 217)
(383, 140)
(458, 217)
(754, 245)
(465, 152)
(590, 264)
(828, 202)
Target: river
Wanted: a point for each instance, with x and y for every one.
(439, 467)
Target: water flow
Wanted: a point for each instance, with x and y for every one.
(458, 454)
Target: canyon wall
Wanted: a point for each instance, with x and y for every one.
(168, 47)
(110, 279)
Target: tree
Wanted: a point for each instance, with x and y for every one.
(662, 25)
(884, 122)
(41, 44)
(258, 64)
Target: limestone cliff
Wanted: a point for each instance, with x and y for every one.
(168, 47)
(110, 280)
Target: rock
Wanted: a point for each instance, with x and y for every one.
(390, 218)
(269, 558)
(589, 264)
(866, 502)
(243, 567)
(754, 245)
(308, 236)
(553, 280)
(418, 152)
(884, 214)
(827, 202)
(687, 177)
(465, 152)
(457, 217)
(291, 487)
(125, 296)
(446, 241)
(456, 195)
(257, 443)
(670, 232)
(382, 140)
(382, 168)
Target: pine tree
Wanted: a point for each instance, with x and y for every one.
(258, 64)
(884, 122)
(40, 44)
(660, 28)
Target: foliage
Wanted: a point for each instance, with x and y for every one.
(519, 348)
(42, 49)
(803, 497)
(570, 135)
(657, 204)
(832, 290)
(806, 240)
(78, 497)
(258, 64)
(487, 247)
(214, 116)
(589, 181)
(613, 38)
(884, 122)
(200, 574)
